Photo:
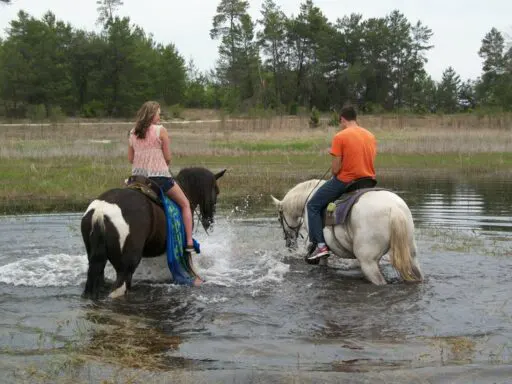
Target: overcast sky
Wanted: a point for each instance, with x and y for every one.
(458, 25)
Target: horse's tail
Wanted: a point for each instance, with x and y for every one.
(401, 257)
(97, 255)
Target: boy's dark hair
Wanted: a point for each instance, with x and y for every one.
(348, 113)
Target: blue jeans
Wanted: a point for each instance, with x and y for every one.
(328, 192)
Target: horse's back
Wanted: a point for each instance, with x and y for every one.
(380, 200)
(123, 197)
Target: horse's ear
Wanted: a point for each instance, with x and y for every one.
(277, 202)
(219, 174)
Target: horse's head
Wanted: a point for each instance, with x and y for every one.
(200, 186)
(290, 224)
(208, 207)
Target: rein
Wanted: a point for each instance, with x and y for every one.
(199, 220)
(296, 229)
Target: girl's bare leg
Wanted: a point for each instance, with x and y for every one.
(177, 195)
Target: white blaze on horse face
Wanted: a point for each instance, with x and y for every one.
(113, 212)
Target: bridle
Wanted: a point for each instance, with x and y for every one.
(296, 229)
(284, 222)
(199, 220)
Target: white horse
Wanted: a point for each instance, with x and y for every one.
(379, 222)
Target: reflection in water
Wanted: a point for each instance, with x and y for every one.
(482, 205)
(465, 209)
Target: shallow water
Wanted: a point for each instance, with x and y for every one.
(263, 314)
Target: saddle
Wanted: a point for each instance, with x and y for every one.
(145, 186)
(337, 212)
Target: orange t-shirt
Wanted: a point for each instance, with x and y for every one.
(357, 148)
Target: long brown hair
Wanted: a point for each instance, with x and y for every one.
(145, 117)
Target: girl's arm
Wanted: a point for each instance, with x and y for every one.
(166, 149)
(131, 152)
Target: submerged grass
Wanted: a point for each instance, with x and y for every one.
(61, 167)
(466, 242)
(122, 349)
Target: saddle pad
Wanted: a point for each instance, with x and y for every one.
(177, 260)
(338, 213)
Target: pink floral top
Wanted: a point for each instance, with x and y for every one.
(148, 157)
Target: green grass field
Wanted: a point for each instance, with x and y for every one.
(62, 167)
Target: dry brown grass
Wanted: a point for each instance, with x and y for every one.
(55, 167)
(397, 135)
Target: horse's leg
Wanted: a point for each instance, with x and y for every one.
(99, 266)
(372, 272)
(125, 268)
(368, 255)
(95, 244)
(95, 278)
(119, 287)
(131, 271)
(122, 284)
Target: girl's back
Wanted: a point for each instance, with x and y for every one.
(148, 158)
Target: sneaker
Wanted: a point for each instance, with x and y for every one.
(319, 253)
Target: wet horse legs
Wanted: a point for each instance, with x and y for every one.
(372, 272)
(125, 269)
(369, 256)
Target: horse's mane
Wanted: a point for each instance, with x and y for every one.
(198, 184)
(295, 198)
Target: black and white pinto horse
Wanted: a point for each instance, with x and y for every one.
(123, 225)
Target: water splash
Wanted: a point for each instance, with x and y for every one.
(230, 262)
(59, 270)
(226, 261)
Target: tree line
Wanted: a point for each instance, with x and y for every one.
(278, 62)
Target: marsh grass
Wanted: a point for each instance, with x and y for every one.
(124, 343)
(466, 242)
(455, 349)
(56, 167)
(125, 349)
